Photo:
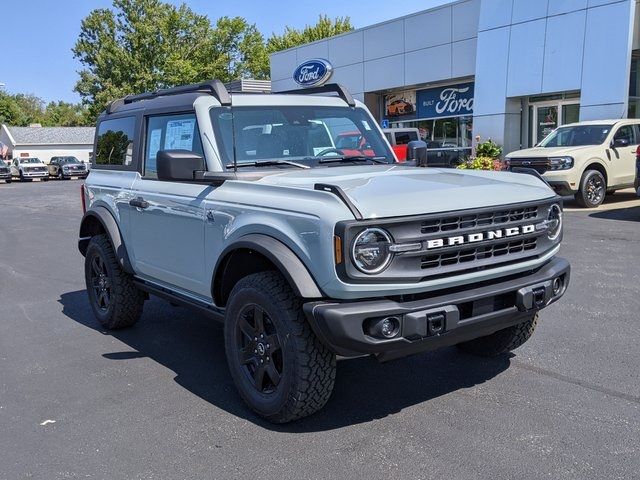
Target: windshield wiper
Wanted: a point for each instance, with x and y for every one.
(267, 163)
(352, 158)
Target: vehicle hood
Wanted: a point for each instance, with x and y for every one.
(382, 191)
(548, 152)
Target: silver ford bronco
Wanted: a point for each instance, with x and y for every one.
(245, 208)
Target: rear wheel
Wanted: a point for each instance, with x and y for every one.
(115, 300)
(280, 368)
(592, 190)
(502, 341)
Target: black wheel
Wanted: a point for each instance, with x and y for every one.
(115, 300)
(21, 176)
(592, 190)
(8, 180)
(278, 365)
(45, 179)
(502, 341)
(60, 175)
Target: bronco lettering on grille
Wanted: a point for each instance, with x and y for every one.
(479, 237)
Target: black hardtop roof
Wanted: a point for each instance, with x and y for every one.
(182, 97)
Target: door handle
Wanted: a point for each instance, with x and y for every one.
(139, 203)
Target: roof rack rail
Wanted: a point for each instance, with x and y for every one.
(214, 87)
(328, 88)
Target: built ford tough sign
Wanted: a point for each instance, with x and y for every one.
(245, 207)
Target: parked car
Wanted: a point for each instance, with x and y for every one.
(353, 143)
(302, 256)
(398, 138)
(28, 168)
(445, 155)
(5, 172)
(64, 168)
(585, 159)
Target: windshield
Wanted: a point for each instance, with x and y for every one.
(299, 135)
(29, 160)
(68, 160)
(576, 136)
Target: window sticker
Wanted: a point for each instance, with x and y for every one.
(179, 134)
(154, 142)
(366, 125)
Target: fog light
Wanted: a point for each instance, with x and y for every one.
(387, 327)
(557, 286)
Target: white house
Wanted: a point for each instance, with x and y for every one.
(47, 142)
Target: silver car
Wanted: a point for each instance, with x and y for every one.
(306, 251)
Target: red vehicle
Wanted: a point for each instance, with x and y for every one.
(353, 143)
(399, 138)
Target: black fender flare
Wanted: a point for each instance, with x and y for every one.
(287, 262)
(110, 226)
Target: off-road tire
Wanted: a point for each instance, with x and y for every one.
(308, 367)
(502, 341)
(125, 299)
(583, 196)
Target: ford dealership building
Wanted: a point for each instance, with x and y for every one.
(510, 70)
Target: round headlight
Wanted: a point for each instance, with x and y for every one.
(370, 252)
(554, 221)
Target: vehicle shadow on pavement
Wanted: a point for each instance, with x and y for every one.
(192, 346)
(630, 214)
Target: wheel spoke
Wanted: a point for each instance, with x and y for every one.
(274, 343)
(258, 377)
(246, 328)
(258, 318)
(95, 267)
(273, 374)
(101, 300)
(247, 355)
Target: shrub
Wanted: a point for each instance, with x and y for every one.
(488, 149)
(481, 163)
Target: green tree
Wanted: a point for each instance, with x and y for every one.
(10, 112)
(143, 45)
(64, 114)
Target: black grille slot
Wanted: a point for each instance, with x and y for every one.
(466, 255)
(540, 165)
(502, 217)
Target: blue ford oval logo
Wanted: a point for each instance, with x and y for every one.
(313, 72)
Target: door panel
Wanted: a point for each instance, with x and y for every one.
(168, 234)
(623, 159)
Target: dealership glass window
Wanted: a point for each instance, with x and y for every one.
(170, 132)
(115, 142)
(451, 132)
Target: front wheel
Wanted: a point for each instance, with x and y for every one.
(592, 190)
(21, 176)
(280, 368)
(502, 341)
(115, 300)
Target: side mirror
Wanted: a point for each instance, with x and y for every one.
(620, 143)
(178, 164)
(417, 151)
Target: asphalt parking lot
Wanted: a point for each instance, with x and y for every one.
(157, 402)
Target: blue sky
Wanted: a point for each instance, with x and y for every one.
(36, 51)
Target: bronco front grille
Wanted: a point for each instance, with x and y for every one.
(480, 253)
(501, 217)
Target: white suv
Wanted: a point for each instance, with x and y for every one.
(586, 159)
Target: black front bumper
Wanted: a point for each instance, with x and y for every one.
(562, 188)
(465, 314)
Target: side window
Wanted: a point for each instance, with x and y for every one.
(115, 142)
(626, 132)
(402, 138)
(170, 132)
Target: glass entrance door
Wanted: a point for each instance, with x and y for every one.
(550, 115)
(546, 121)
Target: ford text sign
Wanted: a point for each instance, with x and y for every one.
(450, 101)
(313, 72)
